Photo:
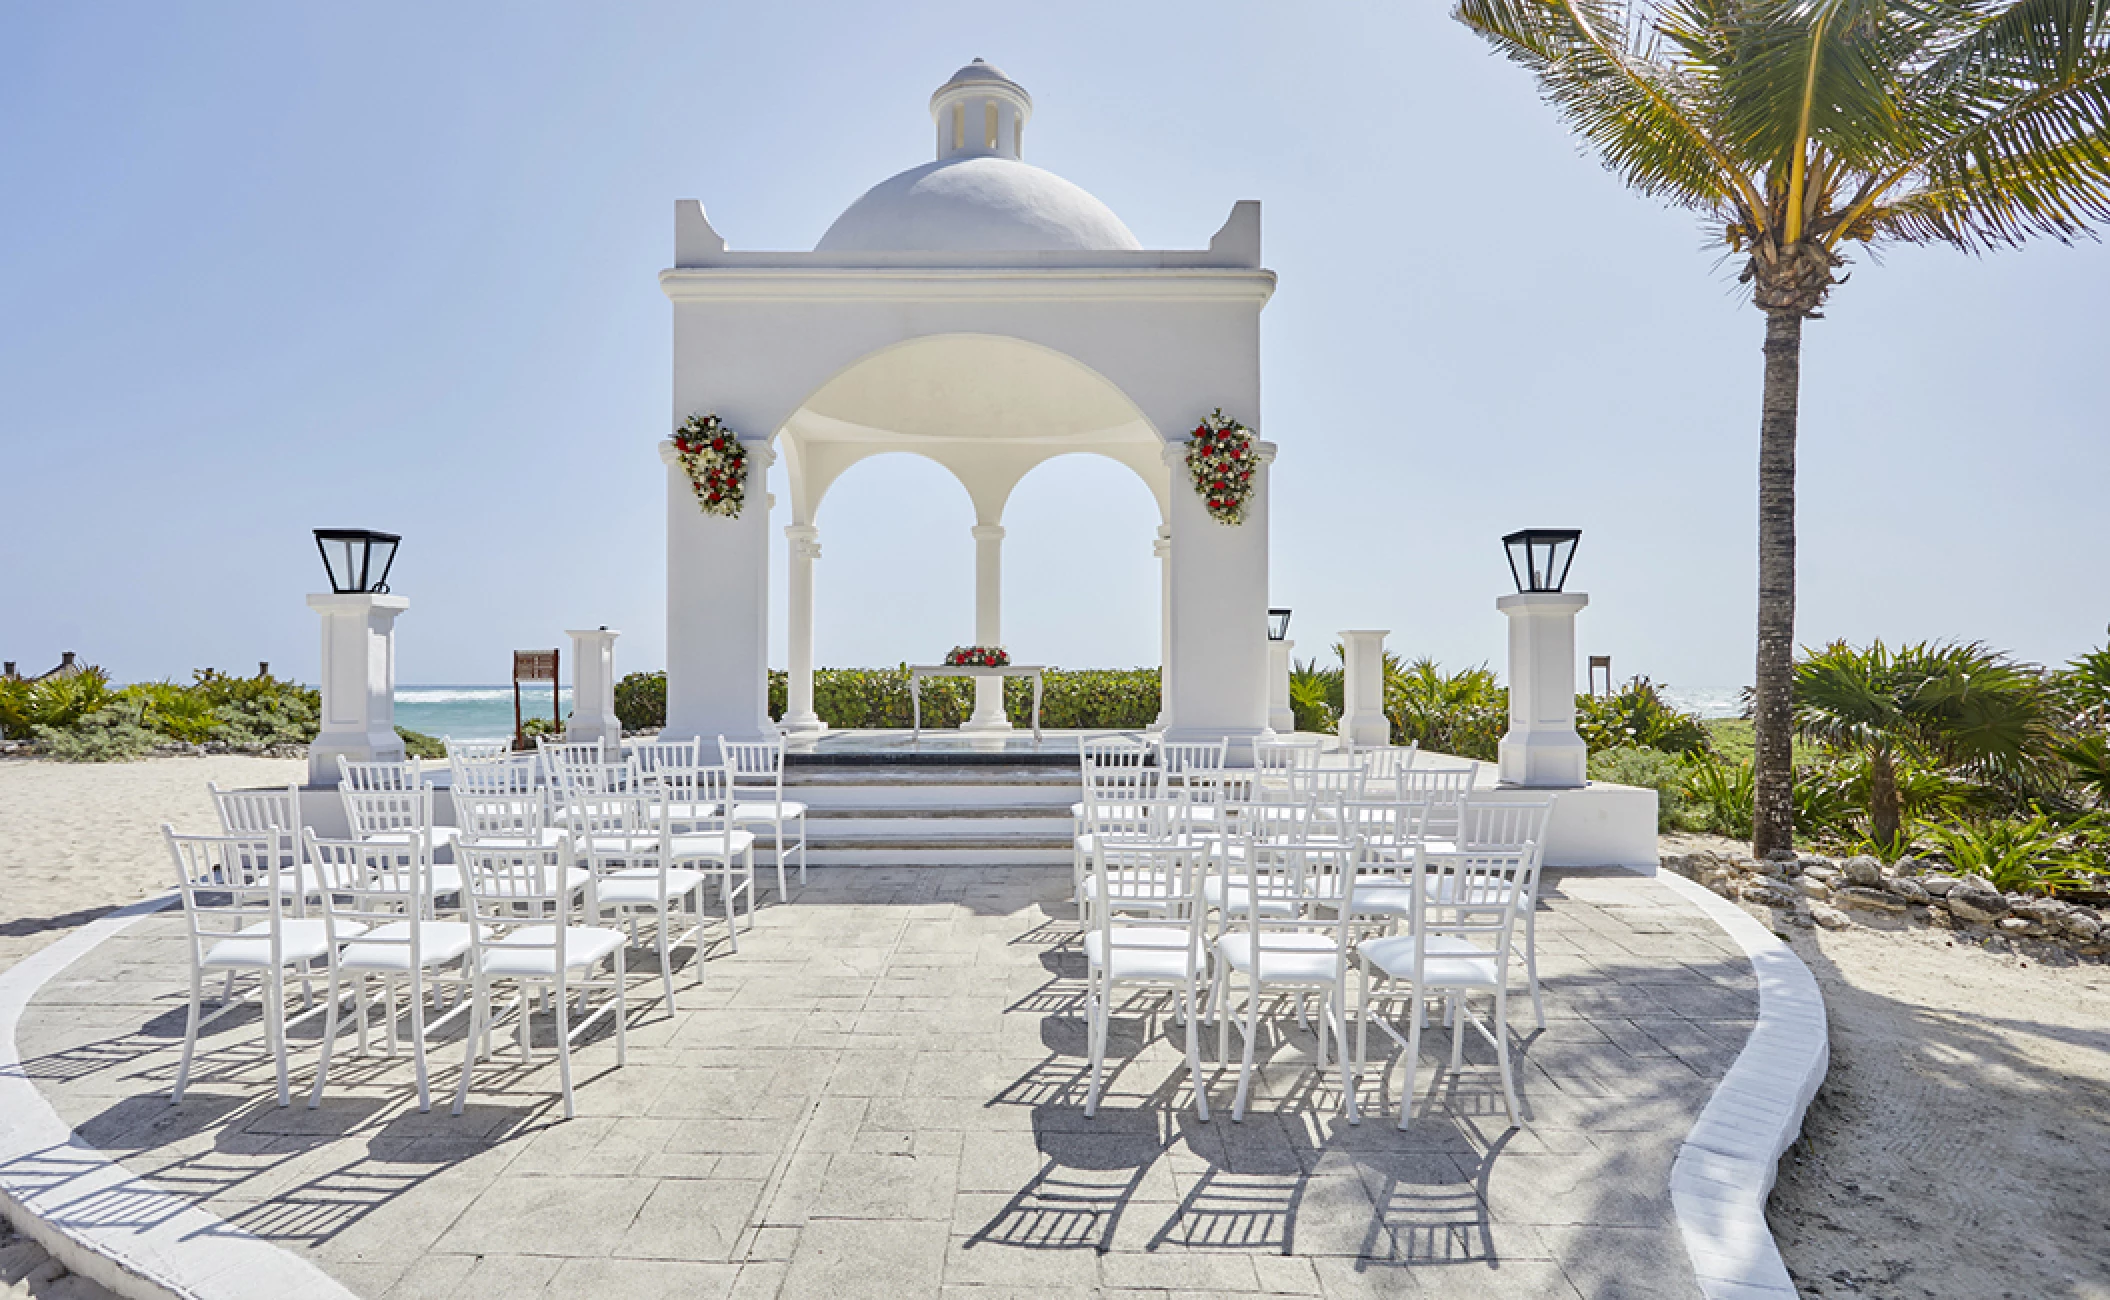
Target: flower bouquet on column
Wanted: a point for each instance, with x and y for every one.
(978, 656)
(1220, 460)
(716, 464)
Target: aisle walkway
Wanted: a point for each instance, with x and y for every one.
(881, 1096)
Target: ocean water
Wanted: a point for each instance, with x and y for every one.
(1707, 701)
(472, 712)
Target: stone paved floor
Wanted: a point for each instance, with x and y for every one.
(881, 1094)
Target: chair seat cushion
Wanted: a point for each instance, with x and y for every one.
(546, 839)
(527, 952)
(1450, 962)
(384, 948)
(440, 836)
(1145, 953)
(768, 810)
(721, 845)
(300, 939)
(635, 888)
(1285, 958)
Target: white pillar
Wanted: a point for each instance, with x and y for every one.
(1162, 549)
(988, 625)
(593, 688)
(1219, 614)
(718, 609)
(1280, 717)
(1363, 720)
(805, 548)
(358, 683)
(1542, 748)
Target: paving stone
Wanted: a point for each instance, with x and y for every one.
(703, 1219)
(640, 1279)
(859, 1259)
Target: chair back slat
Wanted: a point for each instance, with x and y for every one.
(380, 776)
(756, 765)
(1384, 763)
(497, 774)
(373, 884)
(501, 816)
(1280, 755)
(228, 883)
(518, 892)
(387, 812)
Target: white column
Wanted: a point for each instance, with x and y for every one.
(1280, 717)
(593, 687)
(1542, 748)
(718, 609)
(1363, 720)
(988, 625)
(1162, 549)
(358, 683)
(805, 548)
(1219, 614)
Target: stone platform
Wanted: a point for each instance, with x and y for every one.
(881, 1095)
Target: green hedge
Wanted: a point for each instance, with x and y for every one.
(1093, 698)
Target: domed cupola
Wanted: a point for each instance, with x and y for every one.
(979, 196)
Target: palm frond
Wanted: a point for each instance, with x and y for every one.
(1627, 104)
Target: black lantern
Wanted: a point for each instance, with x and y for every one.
(1278, 625)
(357, 559)
(1539, 557)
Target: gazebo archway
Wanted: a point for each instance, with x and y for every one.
(990, 409)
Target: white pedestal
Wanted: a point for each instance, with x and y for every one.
(1542, 748)
(593, 688)
(1363, 720)
(1280, 717)
(358, 683)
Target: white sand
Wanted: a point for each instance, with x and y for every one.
(77, 839)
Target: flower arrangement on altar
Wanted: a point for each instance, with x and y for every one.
(978, 656)
(1220, 459)
(716, 464)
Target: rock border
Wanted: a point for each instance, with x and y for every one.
(125, 1233)
(1725, 1168)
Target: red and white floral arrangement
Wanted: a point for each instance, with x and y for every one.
(1220, 459)
(978, 656)
(716, 464)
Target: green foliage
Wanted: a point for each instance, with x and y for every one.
(1462, 713)
(1720, 796)
(111, 734)
(416, 744)
(1731, 739)
(56, 702)
(1638, 716)
(2033, 855)
(1664, 773)
(2089, 757)
(1092, 699)
(171, 710)
(641, 700)
(1315, 695)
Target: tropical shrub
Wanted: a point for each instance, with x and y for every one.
(111, 734)
(416, 744)
(1462, 713)
(1720, 796)
(1638, 716)
(2033, 855)
(641, 701)
(1095, 699)
(57, 702)
(1655, 770)
(1315, 696)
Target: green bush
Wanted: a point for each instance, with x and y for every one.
(641, 701)
(112, 734)
(1315, 696)
(55, 702)
(416, 744)
(1655, 770)
(2033, 855)
(1462, 713)
(1638, 717)
(1720, 796)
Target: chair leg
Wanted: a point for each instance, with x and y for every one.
(417, 1038)
(388, 1009)
(1406, 1094)
(622, 984)
(783, 893)
(1252, 1031)
(802, 850)
(666, 961)
(275, 1029)
(564, 1046)
(1501, 1028)
(190, 1033)
(359, 1008)
(329, 1040)
(479, 1012)
(1337, 1010)
(1531, 961)
(725, 889)
(1455, 1016)
(1194, 1053)
(1095, 1031)
(1219, 991)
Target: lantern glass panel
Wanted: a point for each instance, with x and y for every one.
(1278, 625)
(356, 559)
(1539, 557)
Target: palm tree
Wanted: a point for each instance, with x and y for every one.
(1952, 705)
(1798, 126)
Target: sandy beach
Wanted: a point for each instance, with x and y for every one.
(77, 839)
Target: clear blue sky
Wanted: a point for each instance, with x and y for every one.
(265, 268)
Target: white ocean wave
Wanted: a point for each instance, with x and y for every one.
(473, 694)
(1708, 702)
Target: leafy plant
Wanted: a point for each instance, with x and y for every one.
(1462, 713)
(112, 734)
(1638, 716)
(1720, 796)
(1315, 695)
(416, 744)
(2033, 855)
(56, 702)
(641, 701)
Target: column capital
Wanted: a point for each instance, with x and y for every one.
(1161, 545)
(804, 541)
(989, 532)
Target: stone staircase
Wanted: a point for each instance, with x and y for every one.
(892, 814)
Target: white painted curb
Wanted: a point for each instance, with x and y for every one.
(1724, 1171)
(122, 1232)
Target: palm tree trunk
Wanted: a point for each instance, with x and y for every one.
(1883, 811)
(1773, 819)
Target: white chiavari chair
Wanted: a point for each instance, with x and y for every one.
(757, 768)
(1144, 928)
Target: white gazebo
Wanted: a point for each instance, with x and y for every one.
(988, 315)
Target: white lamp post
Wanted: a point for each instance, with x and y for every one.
(1363, 720)
(358, 652)
(593, 688)
(1542, 748)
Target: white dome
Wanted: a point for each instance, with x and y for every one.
(983, 203)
